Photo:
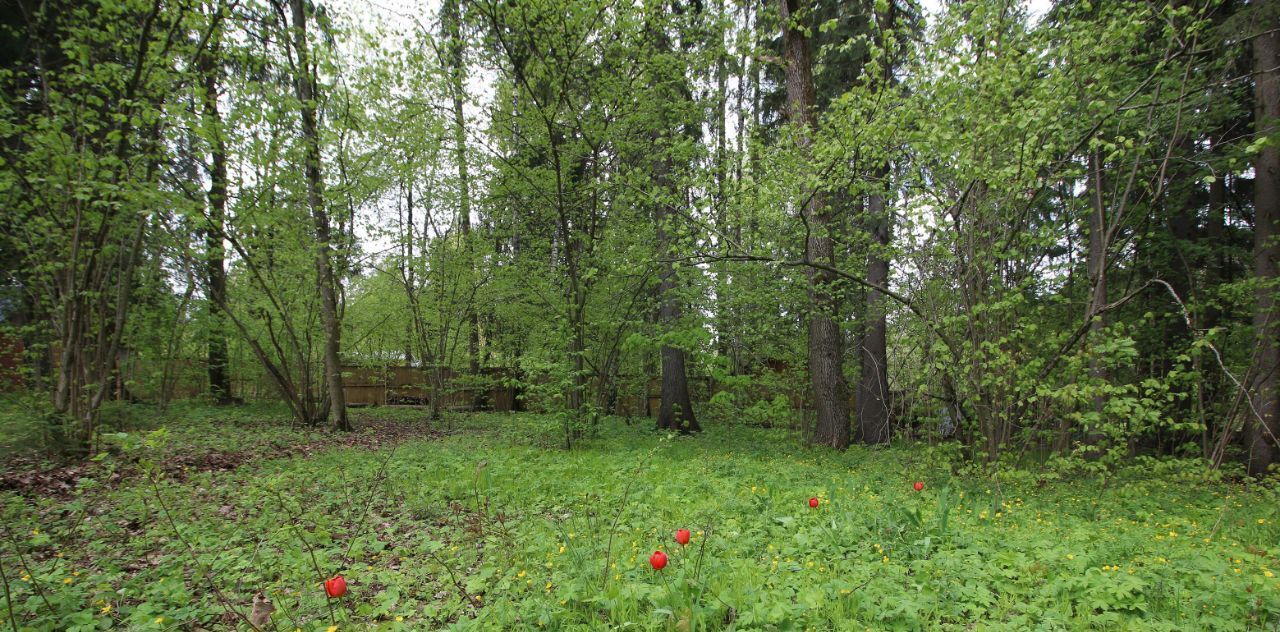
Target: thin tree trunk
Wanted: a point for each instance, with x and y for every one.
(1266, 204)
(1097, 270)
(456, 46)
(306, 92)
(831, 426)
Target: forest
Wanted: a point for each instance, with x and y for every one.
(654, 314)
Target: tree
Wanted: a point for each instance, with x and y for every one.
(826, 371)
(1266, 240)
(215, 273)
(668, 89)
(84, 215)
(453, 54)
(304, 77)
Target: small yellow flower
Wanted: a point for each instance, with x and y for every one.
(1071, 556)
(562, 549)
(332, 628)
(884, 559)
(67, 580)
(106, 609)
(399, 619)
(1268, 574)
(160, 620)
(520, 574)
(1262, 521)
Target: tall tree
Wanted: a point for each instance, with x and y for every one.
(215, 272)
(873, 382)
(1266, 240)
(826, 373)
(668, 91)
(455, 62)
(873, 402)
(305, 89)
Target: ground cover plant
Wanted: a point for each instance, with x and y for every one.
(651, 314)
(489, 524)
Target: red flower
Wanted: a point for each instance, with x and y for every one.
(658, 560)
(682, 536)
(919, 486)
(335, 587)
(813, 502)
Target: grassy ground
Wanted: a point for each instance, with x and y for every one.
(489, 524)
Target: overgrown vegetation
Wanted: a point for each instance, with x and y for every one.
(1021, 252)
(492, 527)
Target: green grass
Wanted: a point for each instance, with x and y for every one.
(496, 527)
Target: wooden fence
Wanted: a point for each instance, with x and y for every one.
(405, 385)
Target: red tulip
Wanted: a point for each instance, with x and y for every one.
(335, 587)
(813, 502)
(682, 536)
(658, 560)
(918, 486)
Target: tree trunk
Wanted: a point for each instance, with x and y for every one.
(306, 92)
(831, 426)
(1266, 251)
(455, 47)
(676, 411)
(1097, 269)
(215, 266)
(873, 385)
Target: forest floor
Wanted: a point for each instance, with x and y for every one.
(484, 521)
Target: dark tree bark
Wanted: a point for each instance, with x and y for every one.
(1266, 249)
(825, 353)
(306, 92)
(873, 385)
(675, 411)
(215, 276)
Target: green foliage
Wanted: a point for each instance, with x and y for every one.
(488, 529)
